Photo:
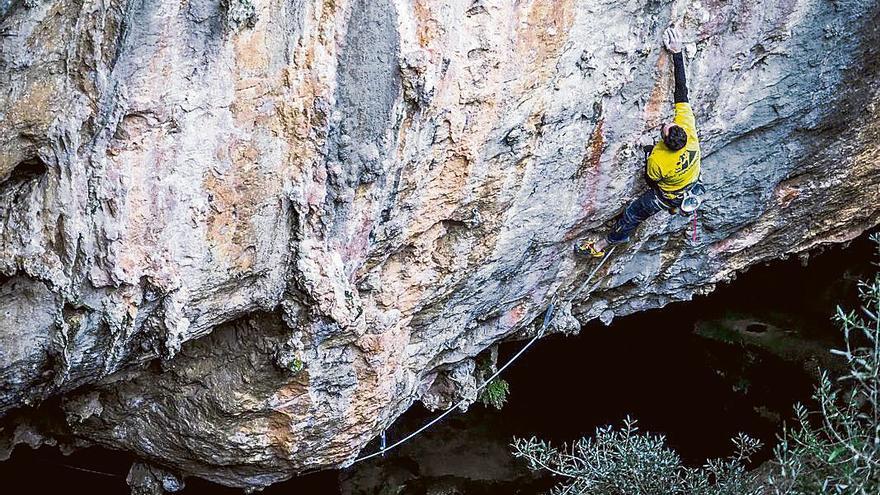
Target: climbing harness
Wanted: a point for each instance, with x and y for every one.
(692, 198)
(548, 316)
(691, 202)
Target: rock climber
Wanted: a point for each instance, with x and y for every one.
(672, 166)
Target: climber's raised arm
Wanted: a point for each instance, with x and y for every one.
(672, 40)
(684, 114)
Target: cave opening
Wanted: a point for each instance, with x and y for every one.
(31, 168)
(756, 328)
(23, 179)
(28, 169)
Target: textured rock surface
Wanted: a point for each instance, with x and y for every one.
(149, 480)
(240, 237)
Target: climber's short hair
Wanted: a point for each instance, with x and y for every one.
(675, 138)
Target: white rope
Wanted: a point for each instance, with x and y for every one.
(448, 411)
(547, 318)
(590, 277)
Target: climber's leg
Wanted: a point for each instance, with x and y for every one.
(637, 212)
(646, 205)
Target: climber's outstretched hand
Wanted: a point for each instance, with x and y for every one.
(672, 40)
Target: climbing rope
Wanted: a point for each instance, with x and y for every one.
(90, 471)
(548, 316)
(590, 276)
(81, 469)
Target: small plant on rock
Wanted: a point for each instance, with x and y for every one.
(296, 365)
(495, 393)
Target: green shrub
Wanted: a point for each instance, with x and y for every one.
(628, 462)
(836, 448)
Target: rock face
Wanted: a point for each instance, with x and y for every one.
(240, 237)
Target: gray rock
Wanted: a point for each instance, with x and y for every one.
(242, 253)
(151, 480)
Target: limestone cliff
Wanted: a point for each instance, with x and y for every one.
(238, 238)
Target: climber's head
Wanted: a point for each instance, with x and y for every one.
(674, 136)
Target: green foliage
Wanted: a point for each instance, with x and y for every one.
(833, 449)
(836, 449)
(628, 462)
(495, 393)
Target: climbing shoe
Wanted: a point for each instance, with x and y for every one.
(587, 247)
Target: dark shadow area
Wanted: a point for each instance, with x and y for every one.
(21, 181)
(28, 169)
(698, 391)
(756, 328)
(323, 482)
(46, 470)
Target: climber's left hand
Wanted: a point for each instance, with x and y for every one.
(672, 40)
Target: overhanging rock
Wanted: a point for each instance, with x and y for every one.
(239, 243)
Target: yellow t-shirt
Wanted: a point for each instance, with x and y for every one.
(674, 170)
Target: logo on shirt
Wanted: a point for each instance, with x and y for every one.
(686, 160)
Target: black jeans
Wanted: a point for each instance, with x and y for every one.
(646, 205)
